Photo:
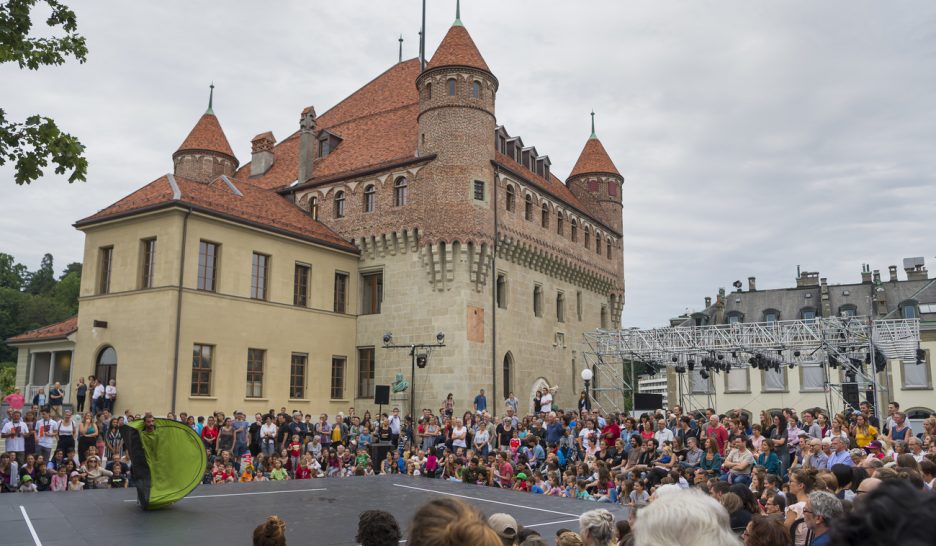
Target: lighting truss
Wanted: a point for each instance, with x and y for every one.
(851, 345)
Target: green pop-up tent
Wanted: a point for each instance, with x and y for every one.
(167, 462)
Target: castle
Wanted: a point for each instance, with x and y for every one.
(406, 209)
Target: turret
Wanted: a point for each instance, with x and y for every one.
(596, 181)
(205, 153)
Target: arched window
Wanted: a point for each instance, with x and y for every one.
(529, 208)
(545, 215)
(314, 208)
(771, 315)
(502, 291)
(598, 244)
(339, 205)
(399, 192)
(429, 90)
(538, 300)
(560, 307)
(451, 87)
(508, 374)
(587, 237)
(559, 221)
(609, 248)
(106, 365)
(574, 231)
(370, 198)
(511, 199)
(476, 89)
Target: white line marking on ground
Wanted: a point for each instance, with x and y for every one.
(29, 524)
(552, 523)
(243, 494)
(486, 500)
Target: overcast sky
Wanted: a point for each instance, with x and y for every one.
(753, 135)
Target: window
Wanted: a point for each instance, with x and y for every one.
(201, 369)
(207, 266)
(297, 376)
(560, 307)
(578, 304)
(528, 208)
(612, 189)
(371, 292)
(149, 263)
(598, 244)
(255, 373)
(365, 384)
(592, 185)
(848, 311)
(339, 205)
(609, 248)
(587, 237)
(370, 197)
(399, 192)
(545, 215)
(501, 291)
(737, 380)
(508, 374)
(735, 317)
(429, 90)
(604, 317)
(574, 231)
(812, 377)
(104, 278)
(511, 199)
(323, 147)
(301, 285)
(259, 271)
(314, 208)
(476, 89)
(559, 222)
(337, 377)
(105, 367)
(916, 376)
(538, 300)
(808, 314)
(451, 87)
(908, 310)
(479, 190)
(700, 385)
(774, 380)
(771, 315)
(341, 292)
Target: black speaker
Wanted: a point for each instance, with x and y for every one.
(646, 401)
(382, 395)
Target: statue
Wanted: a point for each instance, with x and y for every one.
(400, 384)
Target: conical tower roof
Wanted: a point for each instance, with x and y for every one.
(458, 49)
(594, 159)
(207, 135)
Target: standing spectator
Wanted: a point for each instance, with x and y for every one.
(15, 433)
(253, 435)
(40, 398)
(584, 404)
(480, 402)
(537, 402)
(395, 426)
(110, 395)
(56, 397)
(46, 431)
(66, 433)
(97, 396)
(448, 405)
(822, 509)
(778, 435)
(684, 518)
(810, 426)
(87, 435)
(81, 392)
(892, 407)
(512, 402)
(268, 436)
(901, 431)
(546, 401)
(716, 431)
(15, 399)
(377, 528)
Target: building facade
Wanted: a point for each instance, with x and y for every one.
(908, 382)
(410, 211)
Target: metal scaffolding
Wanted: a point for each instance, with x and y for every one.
(848, 349)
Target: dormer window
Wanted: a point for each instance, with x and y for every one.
(314, 208)
(323, 147)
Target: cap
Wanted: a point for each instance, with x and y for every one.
(74, 473)
(27, 478)
(521, 475)
(504, 525)
(874, 445)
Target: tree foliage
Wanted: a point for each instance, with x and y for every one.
(33, 143)
(7, 377)
(27, 303)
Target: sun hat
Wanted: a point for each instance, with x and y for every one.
(504, 525)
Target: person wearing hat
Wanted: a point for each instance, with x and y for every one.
(27, 485)
(505, 526)
(875, 450)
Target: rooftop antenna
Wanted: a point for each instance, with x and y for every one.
(422, 39)
(210, 99)
(457, 22)
(401, 48)
(593, 135)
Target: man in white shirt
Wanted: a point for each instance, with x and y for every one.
(14, 432)
(46, 432)
(916, 449)
(97, 397)
(546, 401)
(394, 421)
(662, 434)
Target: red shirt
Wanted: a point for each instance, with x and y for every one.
(613, 432)
(304, 473)
(720, 435)
(209, 433)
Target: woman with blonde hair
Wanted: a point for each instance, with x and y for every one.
(450, 522)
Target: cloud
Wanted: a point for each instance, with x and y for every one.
(753, 136)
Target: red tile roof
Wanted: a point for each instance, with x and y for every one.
(458, 49)
(255, 206)
(377, 125)
(593, 159)
(207, 135)
(47, 333)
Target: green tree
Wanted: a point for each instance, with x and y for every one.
(7, 377)
(66, 292)
(74, 267)
(12, 274)
(43, 280)
(32, 143)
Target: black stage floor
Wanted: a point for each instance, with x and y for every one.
(317, 512)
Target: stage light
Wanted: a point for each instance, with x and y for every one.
(791, 365)
(720, 356)
(727, 367)
(675, 359)
(734, 354)
(796, 354)
(680, 369)
(421, 361)
(704, 374)
(691, 364)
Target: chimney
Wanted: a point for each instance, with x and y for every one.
(261, 149)
(877, 276)
(708, 302)
(893, 273)
(866, 274)
(824, 297)
(807, 278)
(915, 268)
(752, 287)
(306, 143)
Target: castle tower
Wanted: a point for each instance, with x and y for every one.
(205, 153)
(596, 181)
(456, 122)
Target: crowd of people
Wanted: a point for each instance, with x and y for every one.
(762, 471)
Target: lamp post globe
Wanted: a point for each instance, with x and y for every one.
(587, 377)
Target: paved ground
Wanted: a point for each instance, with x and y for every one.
(317, 512)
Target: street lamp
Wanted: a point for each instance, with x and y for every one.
(587, 377)
(419, 356)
